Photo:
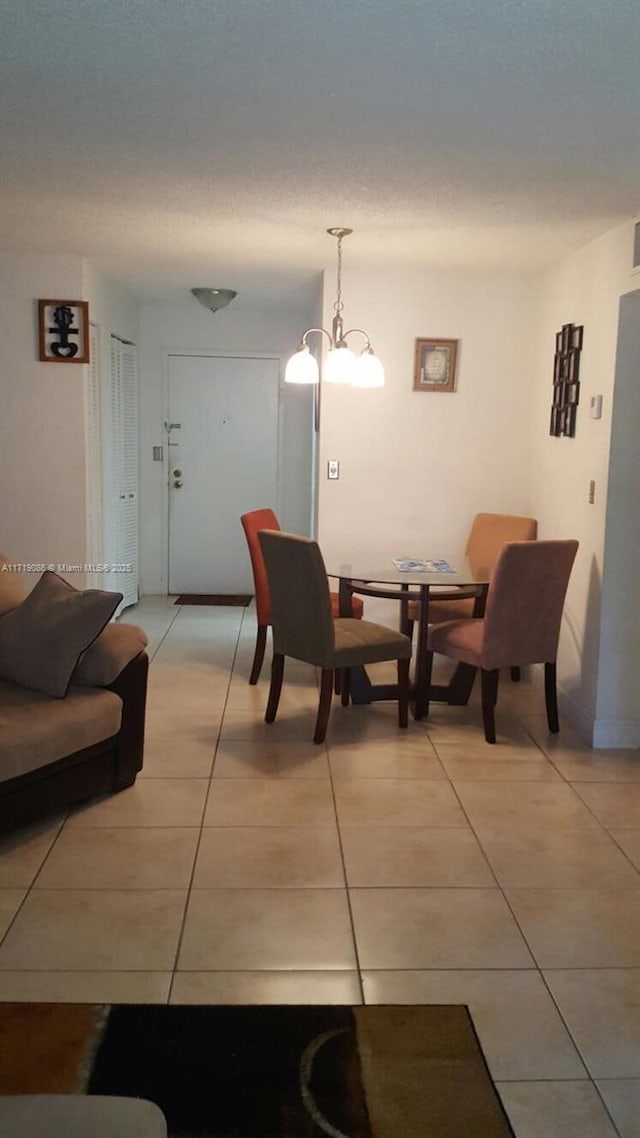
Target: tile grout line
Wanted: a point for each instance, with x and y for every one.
(347, 889)
(543, 978)
(176, 958)
(538, 967)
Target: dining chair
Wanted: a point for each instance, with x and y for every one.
(521, 622)
(487, 536)
(304, 628)
(252, 523)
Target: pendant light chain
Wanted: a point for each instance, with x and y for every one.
(338, 306)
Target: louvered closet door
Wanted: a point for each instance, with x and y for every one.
(124, 433)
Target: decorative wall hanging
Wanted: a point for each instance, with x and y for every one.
(434, 367)
(566, 382)
(63, 329)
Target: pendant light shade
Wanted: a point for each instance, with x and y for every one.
(302, 367)
(368, 371)
(339, 366)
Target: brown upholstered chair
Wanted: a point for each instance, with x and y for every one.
(252, 523)
(521, 622)
(305, 629)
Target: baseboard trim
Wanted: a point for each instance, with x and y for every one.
(609, 734)
(616, 733)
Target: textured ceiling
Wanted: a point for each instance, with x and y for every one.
(207, 142)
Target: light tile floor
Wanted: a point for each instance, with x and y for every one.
(248, 865)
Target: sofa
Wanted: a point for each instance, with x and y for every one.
(80, 1116)
(66, 737)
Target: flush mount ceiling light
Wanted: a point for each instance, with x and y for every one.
(214, 298)
(342, 365)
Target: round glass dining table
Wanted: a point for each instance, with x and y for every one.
(376, 576)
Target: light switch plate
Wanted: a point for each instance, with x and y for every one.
(595, 407)
(333, 468)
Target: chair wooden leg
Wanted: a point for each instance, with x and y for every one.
(403, 693)
(345, 690)
(324, 707)
(551, 697)
(258, 656)
(515, 674)
(489, 700)
(277, 671)
(428, 669)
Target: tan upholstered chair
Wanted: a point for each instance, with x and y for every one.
(521, 622)
(305, 629)
(252, 523)
(487, 535)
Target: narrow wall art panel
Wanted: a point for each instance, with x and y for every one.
(566, 380)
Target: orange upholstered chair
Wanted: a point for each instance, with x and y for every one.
(252, 523)
(521, 622)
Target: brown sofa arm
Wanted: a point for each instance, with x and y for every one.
(109, 655)
(131, 686)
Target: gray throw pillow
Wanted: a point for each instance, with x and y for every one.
(42, 639)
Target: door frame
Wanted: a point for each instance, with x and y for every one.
(208, 353)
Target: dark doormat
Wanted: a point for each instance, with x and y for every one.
(214, 599)
(265, 1072)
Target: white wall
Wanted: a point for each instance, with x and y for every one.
(618, 706)
(234, 330)
(583, 289)
(42, 422)
(417, 466)
(42, 476)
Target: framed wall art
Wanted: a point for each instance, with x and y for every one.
(435, 364)
(566, 381)
(63, 331)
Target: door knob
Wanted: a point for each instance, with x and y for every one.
(177, 485)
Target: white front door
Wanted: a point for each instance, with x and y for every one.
(223, 462)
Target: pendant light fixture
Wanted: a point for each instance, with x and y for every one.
(342, 365)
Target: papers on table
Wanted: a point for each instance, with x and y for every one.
(419, 565)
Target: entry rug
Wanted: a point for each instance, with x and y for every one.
(264, 1072)
(232, 599)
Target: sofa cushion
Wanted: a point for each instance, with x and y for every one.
(114, 648)
(12, 590)
(42, 639)
(36, 730)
